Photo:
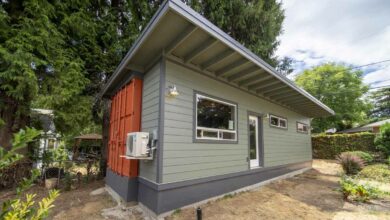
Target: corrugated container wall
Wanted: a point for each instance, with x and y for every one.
(125, 117)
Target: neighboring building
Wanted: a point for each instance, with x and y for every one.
(49, 139)
(223, 118)
(372, 127)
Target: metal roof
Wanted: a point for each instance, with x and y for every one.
(377, 124)
(182, 35)
(367, 127)
(89, 137)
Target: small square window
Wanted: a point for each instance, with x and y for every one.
(274, 121)
(302, 128)
(282, 123)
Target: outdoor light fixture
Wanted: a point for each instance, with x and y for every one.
(172, 91)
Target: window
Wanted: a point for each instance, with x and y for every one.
(303, 128)
(278, 122)
(215, 119)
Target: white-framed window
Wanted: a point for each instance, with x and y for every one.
(276, 121)
(215, 119)
(302, 128)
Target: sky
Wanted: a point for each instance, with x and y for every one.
(353, 32)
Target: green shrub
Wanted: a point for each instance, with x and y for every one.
(18, 208)
(357, 192)
(377, 172)
(367, 157)
(350, 163)
(382, 141)
(329, 146)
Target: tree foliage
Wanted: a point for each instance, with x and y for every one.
(58, 54)
(341, 89)
(381, 104)
(254, 23)
(383, 139)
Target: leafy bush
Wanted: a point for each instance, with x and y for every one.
(351, 164)
(367, 157)
(16, 208)
(329, 146)
(377, 172)
(357, 192)
(382, 141)
(20, 140)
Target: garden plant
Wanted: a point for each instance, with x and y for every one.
(19, 208)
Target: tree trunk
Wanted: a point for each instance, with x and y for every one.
(105, 130)
(13, 118)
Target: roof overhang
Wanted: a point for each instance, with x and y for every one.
(182, 35)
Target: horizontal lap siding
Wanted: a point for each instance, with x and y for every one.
(183, 159)
(150, 116)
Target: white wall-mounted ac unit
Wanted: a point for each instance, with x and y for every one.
(137, 144)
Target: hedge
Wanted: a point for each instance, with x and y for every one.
(329, 146)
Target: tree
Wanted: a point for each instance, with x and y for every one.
(285, 65)
(34, 59)
(382, 140)
(254, 23)
(59, 54)
(381, 101)
(340, 88)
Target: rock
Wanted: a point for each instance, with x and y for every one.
(51, 183)
(97, 192)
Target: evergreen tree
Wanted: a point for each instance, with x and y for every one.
(381, 102)
(254, 23)
(58, 54)
(34, 58)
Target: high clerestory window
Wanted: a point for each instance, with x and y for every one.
(302, 128)
(276, 121)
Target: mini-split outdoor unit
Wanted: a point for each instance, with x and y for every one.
(137, 145)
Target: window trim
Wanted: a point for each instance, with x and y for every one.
(303, 132)
(195, 138)
(278, 117)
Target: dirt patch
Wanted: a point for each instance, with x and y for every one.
(330, 167)
(311, 195)
(74, 204)
(79, 204)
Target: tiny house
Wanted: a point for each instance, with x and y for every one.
(213, 117)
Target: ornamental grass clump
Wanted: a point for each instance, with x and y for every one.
(366, 157)
(351, 163)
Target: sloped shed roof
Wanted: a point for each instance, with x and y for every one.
(182, 35)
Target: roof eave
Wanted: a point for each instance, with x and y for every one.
(196, 19)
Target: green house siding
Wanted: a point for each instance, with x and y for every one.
(184, 160)
(150, 116)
